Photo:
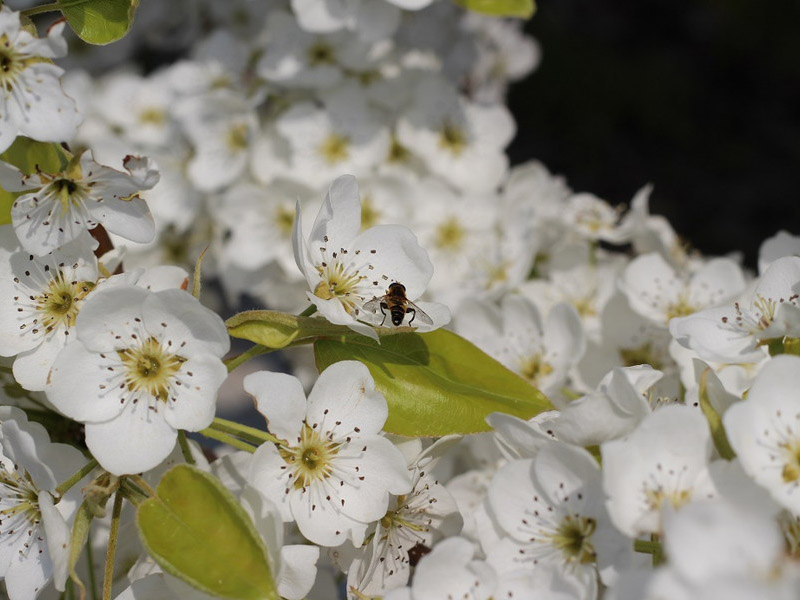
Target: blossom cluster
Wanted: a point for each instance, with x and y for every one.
(329, 153)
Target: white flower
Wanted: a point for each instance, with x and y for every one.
(34, 534)
(550, 510)
(58, 207)
(144, 365)
(594, 219)
(346, 268)
(541, 353)
(370, 20)
(32, 102)
(659, 293)
(735, 333)
(39, 302)
(221, 126)
(333, 473)
(662, 463)
(764, 430)
(345, 136)
(461, 142)
(781, 244)
(427, 513)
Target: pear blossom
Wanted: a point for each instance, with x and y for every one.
(770, 309)
(551, 512)
(763, 430)
(592, 218)
(34, 530)
(33, 103)
(346, 268)
(56, 208)
(540, 352)
(427, 513)
(333, 472)
(663, 463)
(659, 293)
(459, 141)
(369, 20)
(39, 301)
(346, 135)
(145, 364)
(781, 244)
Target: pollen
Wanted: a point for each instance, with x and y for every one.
(339, 282)
(534, 368)
(657, 497)
(680, 308)
(238, 137)
(791, 467)
(150, 368)
(152, 116)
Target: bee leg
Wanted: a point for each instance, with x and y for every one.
(413, 314)
(384, 306)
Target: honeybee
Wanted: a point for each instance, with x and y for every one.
(398, 305)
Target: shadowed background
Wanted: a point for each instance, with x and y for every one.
(700, 98)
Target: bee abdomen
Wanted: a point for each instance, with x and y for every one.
(398, 313)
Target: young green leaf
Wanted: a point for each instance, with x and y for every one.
(523, 9)
(99, 22)
(196, 530)
(435, 383)
(275, 330)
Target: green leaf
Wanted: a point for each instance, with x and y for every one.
(196, 530)
(275, 330)
(99, 21)
(29, 156)
(435, 383)
(523, 9)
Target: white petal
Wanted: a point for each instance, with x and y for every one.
(344, 401)
(269, 475)
(135, 441)
(110, 316)
(298, 571)
(193, 406)
(130, 219)
(339, 217)
(79, 386)
(32, 368)
(281, 399)
(57, 535)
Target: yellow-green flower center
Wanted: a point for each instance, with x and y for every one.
(284, 217)
(680, 308)
(238, 137)
(533, 368)
(791, 466)
(311, 458)
(452, 138)
(150, 368)
(320, 54)
(572, 538)
(334, 148)
(338, 282)
(450, 235)
(60, 302)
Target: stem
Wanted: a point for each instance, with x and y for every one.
(308, 312)
(64, 486)
(141, 484)
(108, 575)
(187, 451)
(228, 439)
(645, 547)
(249, 434)
(92, 574)
(36, 10)
(256, 350)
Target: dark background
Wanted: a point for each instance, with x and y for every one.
(701, 98)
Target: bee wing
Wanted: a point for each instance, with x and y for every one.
(421, 315)
(373, 305)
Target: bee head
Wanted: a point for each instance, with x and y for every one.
(396, 287)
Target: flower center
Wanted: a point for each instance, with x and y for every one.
(152, 116)
(681, 308)
(150, 368)
(338, 282)
(311, 458)
(284, 218)
(534, 367)
(657, 497)
(19, 494)
(791, 468)
(450, 235)
(397, 152)
(320, 54)
(335, 148)
(641, 355)
(238, 137)
(452, 138)
(369, 214)
(572, 538)
(585, 306)
(60, 302)
(11, 64)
